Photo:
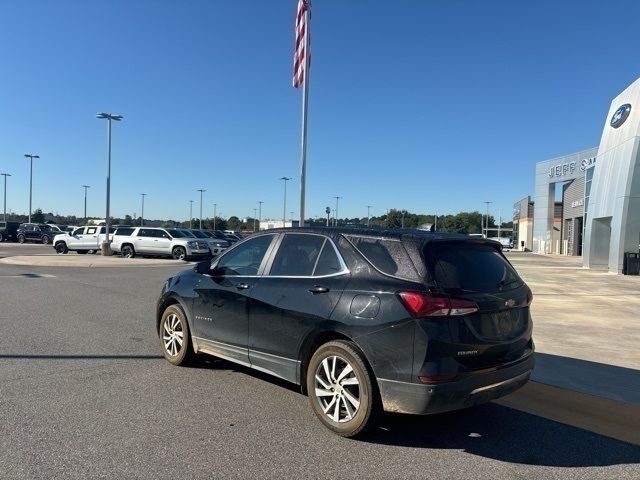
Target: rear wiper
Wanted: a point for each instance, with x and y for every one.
(504, 283)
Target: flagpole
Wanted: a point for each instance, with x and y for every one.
(305, 108)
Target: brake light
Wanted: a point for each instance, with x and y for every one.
(420, 304)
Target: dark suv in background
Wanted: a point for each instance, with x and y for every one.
(36, 232)
(364, 320)
(9, 231)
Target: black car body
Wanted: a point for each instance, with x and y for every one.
(36, 232)
(440, 322)
(9, 231)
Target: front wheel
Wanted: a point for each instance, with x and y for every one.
(341, 390)
(20, 238)
(61, 248)
(45, 239)
(179, 253)
(174, 336)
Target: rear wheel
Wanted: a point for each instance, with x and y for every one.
(179, 253)
(45, 239)
(128, 251)
(61, 248)
(174, 336)
(21, 239)
(341, 390)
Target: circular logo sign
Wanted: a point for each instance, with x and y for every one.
(621, 115)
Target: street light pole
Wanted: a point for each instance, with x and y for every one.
(201, 190)
(255, 212)
(142, 214)
(284, 207)
(336, 211)
(106, 245)
(486, 230)
(215, 215)
(190, 213)
(31, 157)
(260, 202)
(5, 175)
(368, 215)
(85, 202)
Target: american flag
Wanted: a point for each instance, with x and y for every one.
(300, 62)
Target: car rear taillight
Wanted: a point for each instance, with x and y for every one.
(421, 304)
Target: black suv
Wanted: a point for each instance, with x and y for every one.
(36, 232)
(9, 231)
(364, 320)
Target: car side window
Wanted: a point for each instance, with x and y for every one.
(245, 259)
(78, 231)
(145, 233)
(297, 255)
(91, 230)
(328, 263)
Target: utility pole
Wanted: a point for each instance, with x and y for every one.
(201, 190)
(368, 215)
(284, 207)
(499, 222)
(335, 218)
(85, 202)
(402, 221)
(486, 232)
(190, 214)
(435, 226)
(31, 157)
(142, 214)
(260, 202)
(255, 213)
(5, 175)
(215, 215)
(106, 245)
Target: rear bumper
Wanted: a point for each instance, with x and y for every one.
(473, 389)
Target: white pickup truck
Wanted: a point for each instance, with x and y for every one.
(82, 239)
(158, 241)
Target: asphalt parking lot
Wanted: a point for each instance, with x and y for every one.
(85, 393)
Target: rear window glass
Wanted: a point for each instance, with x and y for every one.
(387, 255)
(468, 267)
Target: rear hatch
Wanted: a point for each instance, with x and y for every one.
(476, 270)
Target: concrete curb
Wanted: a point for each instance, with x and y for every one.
(88, 261)
(610, 418)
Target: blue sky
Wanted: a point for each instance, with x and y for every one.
(418, 104)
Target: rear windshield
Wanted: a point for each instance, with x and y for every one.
(470, 267)
(176, 233)
(198, 234)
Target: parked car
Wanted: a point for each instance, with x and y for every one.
(216, 245)
(82, 240)
(363, 319)
(36, 232)
(9, 231)
(158, 242)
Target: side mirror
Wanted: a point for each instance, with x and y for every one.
(203, 268)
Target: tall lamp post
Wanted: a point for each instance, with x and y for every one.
(486, 229)
(215, 215)
(5, 175)
(368, 215)
(190, 213)
(142, 214)
(201, 190)
(284, 207)
(260, 202)
(255, 213)
(106, 245)
(336, 212)
(30, 157)
(85, 202)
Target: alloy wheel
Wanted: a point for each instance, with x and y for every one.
(337, 389)
(172, 335)
(179, 253)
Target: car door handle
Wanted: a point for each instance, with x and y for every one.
(318, 289)
(242, 286)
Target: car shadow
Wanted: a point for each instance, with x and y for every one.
(490, 430)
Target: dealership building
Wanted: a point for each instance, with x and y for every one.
(587, 203)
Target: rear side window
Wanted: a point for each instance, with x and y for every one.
(468, 267)
(297, 255)
(387, 255)
(328, 262)
(126, 232)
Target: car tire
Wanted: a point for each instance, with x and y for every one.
(21, 239)
(344, 394)
(82, 252)
(174, 329)
(45, 239)
(61, 248)
(128, 251)
(179, 253)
